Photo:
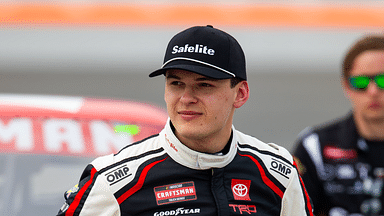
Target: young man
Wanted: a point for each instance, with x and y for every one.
(341, 162)
(199, 164)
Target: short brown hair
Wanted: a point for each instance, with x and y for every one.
(235, 81)
(366, 43)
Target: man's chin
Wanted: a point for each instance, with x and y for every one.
(190, 133)
(374, 117)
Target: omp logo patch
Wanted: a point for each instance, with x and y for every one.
(117, 174)
(282, 168)
(178, 192)
(240, 189)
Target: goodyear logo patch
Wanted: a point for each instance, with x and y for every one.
(178, 192)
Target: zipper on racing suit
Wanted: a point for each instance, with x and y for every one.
(218, 191)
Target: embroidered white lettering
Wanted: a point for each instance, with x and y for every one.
(198, 48)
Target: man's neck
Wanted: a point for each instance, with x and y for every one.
(212, 144)
(206, 145)
(369, 128)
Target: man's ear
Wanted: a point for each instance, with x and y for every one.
(242, 94)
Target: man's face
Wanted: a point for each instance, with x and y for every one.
(368, 104)
(200, 107)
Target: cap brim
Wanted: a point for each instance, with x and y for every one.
(192, 67)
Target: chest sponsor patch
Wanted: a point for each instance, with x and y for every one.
(240, 189)
(338, 154)
(178, 192)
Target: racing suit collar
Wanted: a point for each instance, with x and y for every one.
(194, 159)
(348, 133)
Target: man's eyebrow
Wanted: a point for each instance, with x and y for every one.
(170, 76)
(206, 79)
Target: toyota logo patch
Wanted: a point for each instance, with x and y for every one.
(240, 189)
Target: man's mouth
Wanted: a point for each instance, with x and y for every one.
(375, 105)
(189, 115)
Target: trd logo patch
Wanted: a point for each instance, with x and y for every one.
(243, 208)
(240, 189)
(117, 175)
(172, 193)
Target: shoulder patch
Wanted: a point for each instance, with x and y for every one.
(73, 190)
(280, 167)
(117, 174)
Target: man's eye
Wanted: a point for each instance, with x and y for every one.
(205, 85)
(176, 83)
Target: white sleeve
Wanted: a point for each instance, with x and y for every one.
(296, 200)
(100, 201)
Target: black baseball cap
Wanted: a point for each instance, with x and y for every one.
(207, 51)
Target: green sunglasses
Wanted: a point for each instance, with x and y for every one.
(361, 82)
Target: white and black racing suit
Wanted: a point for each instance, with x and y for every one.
(343, 172)
(160, 176)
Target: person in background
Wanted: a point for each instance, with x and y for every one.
(199, 164)
(341, 162)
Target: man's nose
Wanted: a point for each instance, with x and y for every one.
(188, 95)
(372, 88)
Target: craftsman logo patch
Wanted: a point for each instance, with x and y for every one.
(172, 193)
(240, 189)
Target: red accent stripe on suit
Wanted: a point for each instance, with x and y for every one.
(309, 206)
(265, 179)
(71, 210)
(139, 183)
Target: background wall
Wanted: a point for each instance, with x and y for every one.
(106, 49)
(293, 73)
(281, 104)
